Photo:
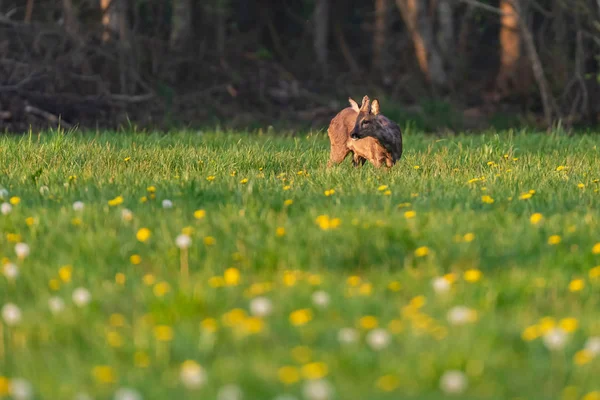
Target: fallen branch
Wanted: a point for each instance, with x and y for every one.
(48, 116)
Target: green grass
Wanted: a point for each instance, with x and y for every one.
(372, 262)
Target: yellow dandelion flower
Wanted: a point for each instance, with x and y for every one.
(287, 187)
(382, 188)
(141, 359)
(135, 259)
(289, 278)
(54, 284)
(422, 251)
(232, 276)
(583, 357)
(418, 302)
(209, 241)
(288, 202)
(353, 280)
(531, 333)
(314, 279)
(163, 333)
(148, 279)
(209, 325)
(199, 214)
(525, 196)
(116, 320)
(536, 218)
(576, 285)
(329, 192)
(288, 375)
(161, 288)
(210, 178)
(368, 322)
(561, 168)
(487, 199)
(410, 214)
(469, 237)
(394, 286)
(546, 324)
(65, 273)
(388, 383)
(104, 374)
(314, 370)
(15, 200)
(244, 181)
(280, 231)
(580, 185)
(472, 275)
(29, 221)
(365, 289)
(301, 317)
(569, 324)
(114, 339)
(120, 278)
(596, 248)
(595, 395)
(4, 386)
(143, 234)
(253, 325)
(234, 317)
(595, 272)
(554, 240)
(116, 201)
(216, 282)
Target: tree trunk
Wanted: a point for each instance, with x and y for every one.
(110, 18)
(28, 11)
(181, 24)
(510, 48)
(321, 33)
(379, 36)
(420, 26)
(71, 25)
(548, 101)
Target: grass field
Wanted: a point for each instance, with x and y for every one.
(232, 266)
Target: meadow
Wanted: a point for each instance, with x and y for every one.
(229, 266)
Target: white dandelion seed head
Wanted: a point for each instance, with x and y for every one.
(440, 285)
(11, 314)
(21, 389)
(555, 339)
(347, 335)
(592, 344)
(3, 193)
(166, 203)
(22, 250)
(261, 306)
(82, 396)
(44, 190)
(183, 241)
(378, 339)
(10, 271)
(56, 304)
(126, 214)
(5, 208)
(81, 297)
(192, 375)
(78, 206)
(320, 298)
(230, 392)
(459, 315)
(453, 382)
(127, 394)
(319, 389)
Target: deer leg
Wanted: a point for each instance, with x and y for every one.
(358, 160)
(337, 155)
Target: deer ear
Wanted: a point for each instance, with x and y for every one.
(375, 107)
(353, 104)
(365, 104)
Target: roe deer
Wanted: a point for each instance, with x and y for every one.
(341, 143)
(370, 123)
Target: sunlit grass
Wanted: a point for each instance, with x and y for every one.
(221, 265)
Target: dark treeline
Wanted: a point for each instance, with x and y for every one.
(446, 64)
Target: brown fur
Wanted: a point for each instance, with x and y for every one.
(370, 123)
(341, 144)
